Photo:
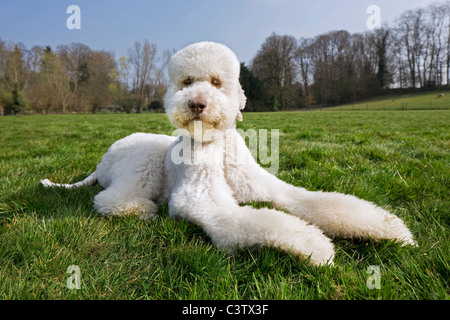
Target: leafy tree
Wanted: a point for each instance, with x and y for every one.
(383, 75)
(97, 88)
(18, 101)
(253, 89)
(155, 105)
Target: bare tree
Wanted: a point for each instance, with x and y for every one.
(161, 78)
(143, 60)
(119, 87)
(447, 10)
(410, 29)
(305, 61)
(275, 65)
(334, 72)
(15, 67)
(43, 91)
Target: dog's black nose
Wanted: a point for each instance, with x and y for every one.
(197, 105)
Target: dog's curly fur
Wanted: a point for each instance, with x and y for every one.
(139, 171)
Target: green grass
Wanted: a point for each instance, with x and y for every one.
(397, 159)
(408, 101)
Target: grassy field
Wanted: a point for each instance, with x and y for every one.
(409, 101)
(397, 159)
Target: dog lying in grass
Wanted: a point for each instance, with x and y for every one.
(202, 175)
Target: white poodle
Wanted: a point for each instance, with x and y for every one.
(207, 172)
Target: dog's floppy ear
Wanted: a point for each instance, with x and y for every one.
(242, 101)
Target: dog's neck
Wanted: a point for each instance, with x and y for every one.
(210, 148)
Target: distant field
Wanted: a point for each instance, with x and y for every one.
(411, 101)
(397, 159)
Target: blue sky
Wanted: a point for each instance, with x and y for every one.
(243, 25)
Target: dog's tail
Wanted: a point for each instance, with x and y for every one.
(89, 181)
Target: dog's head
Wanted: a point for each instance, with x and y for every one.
(204, 86)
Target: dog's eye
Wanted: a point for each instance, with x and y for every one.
(188, 81)
(216, 82)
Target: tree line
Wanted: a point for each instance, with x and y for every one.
(286, 73)
(76, 78)
(338, 67)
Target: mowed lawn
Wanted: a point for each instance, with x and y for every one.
(397, 159)
(431, 100)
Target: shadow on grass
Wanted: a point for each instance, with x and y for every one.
(50, 203)
(54, 203)
(367, 252)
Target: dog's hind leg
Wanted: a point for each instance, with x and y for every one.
(123, 201)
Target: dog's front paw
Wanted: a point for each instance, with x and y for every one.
(319, 250)
(306, 242)
(341, 215)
